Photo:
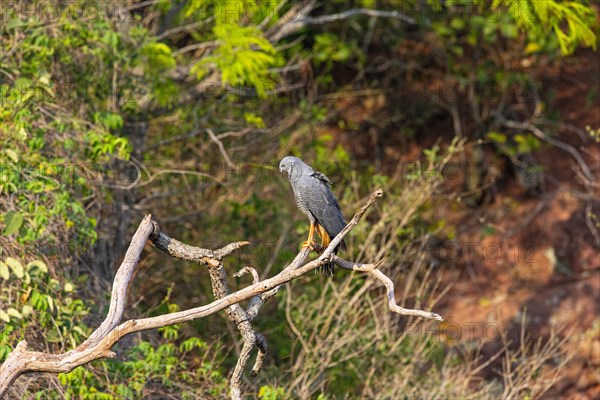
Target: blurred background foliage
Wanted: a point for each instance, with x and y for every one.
(111, 110)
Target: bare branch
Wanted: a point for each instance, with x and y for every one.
(287, 23)
(373, 270)
(218, 142)
(295, 24)
(230, 248)
(248, 270)
(178, 172)
(184, 28)
(197, 46)
(177, 249)
(218, 277)
(541, 135)
(324, 19)
(122, 281)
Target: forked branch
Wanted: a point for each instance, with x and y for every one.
(101, 341)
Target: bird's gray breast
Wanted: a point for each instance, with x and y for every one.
(301, 197)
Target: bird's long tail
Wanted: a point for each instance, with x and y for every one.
(329, 267)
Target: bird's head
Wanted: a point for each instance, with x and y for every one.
(287, 164)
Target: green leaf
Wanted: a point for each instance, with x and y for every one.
(4, 273)
(158, 55)
(54, 285)
(243, 56)
(109, 120)
(4, 316)
(457, 23)
(16, 266)
(573, 23)
(22, 134)
(50, 302)
(52, 336)
(13, 312)
(14, 23)
(26, 310)
(37, 265)
(496, 137)
(78, 330)
(532, 48)
(12, 155)
(13, 221)
(111, 39)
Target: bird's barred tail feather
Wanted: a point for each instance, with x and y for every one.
(328, 268)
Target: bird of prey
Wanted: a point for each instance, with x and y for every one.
(312, 191)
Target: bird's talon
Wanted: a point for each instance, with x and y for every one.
(314, 246)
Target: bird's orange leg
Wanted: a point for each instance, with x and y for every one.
(325, 240)
(310, 242)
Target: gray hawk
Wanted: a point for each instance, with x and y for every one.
(312, 191)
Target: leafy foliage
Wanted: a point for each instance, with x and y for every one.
(32, 302)
(271, 393)
(48, 308)
(571, 21)
(243, 57)
(150, 367)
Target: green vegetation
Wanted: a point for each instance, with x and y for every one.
(38, 304)
(112, 110)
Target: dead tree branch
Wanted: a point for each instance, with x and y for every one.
(111, 330)
(218, 277)
(373, 270)
(555, 142)
(298, 19)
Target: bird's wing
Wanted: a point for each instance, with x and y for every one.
(321, 202)
(322, 177)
